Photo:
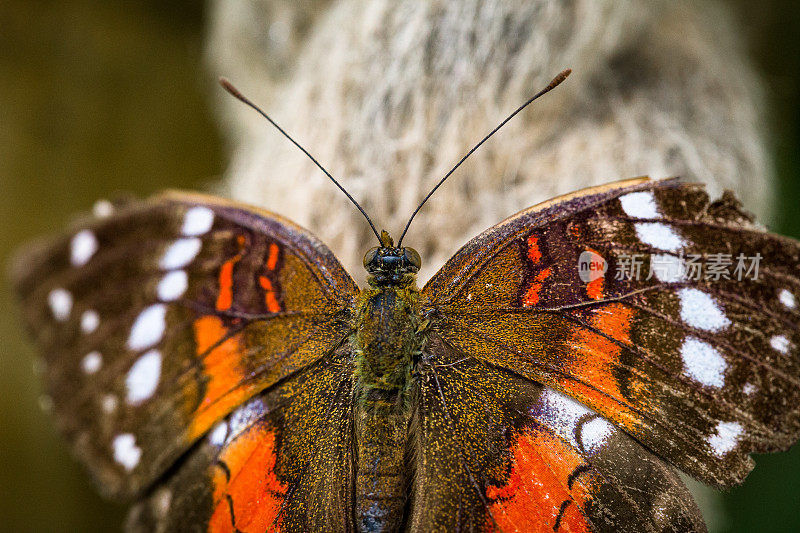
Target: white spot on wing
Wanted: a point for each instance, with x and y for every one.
(172, 285)
(103, 209)
(197, 221)
(700, 311)
(780, 343)
(82, 247)
(244, 416)
(659, 236)
(142, 379)
(217, 436)
(748, 388)
(594, 434)
(726, 437)
(125, 450)
(60, 302)
(180, 253)
(787, 299)
(92, 362)
(561, 413)
(148, 328)
(89, 321)
(703, 362)
(667, 268)
(161, 502)
(108, 403)
(640, 204)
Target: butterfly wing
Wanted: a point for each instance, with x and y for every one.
(160, 319)
(282, 461)
(700, 371)
(521, 457)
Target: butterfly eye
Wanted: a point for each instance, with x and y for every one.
(411, 257)
(370, 257)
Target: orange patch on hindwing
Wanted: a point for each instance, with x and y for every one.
(222, 372)
(250, 500)
(536, 498)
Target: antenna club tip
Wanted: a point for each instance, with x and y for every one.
(559, 78)
(228, 86)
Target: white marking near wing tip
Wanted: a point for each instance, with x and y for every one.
(142, 379)
(787, 299)
(641, 204)
(703, 362)
(780, 343)
(103, 209)
(180, 253)
(92, 362)
(659, 236)
(217, 436)
(108, 403)
(148, 328)
(595, 433)
(701, 311)
(726, 437)
(172, 285)
(125, 450)
(82, 247)
(667, 268)
(60, 302)
(197, 221)
(89, 321)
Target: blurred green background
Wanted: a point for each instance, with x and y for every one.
(102, 96)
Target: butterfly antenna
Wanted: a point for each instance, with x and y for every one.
(553, 84)
(239, 96)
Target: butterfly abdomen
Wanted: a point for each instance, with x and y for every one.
(386, 342)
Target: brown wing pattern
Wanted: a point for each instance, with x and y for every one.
(701, 371)
(160, 319)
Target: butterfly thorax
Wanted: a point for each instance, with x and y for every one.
(387, 341)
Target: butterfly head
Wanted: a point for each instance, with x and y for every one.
(389, 264)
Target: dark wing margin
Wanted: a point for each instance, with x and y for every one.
(160, 318)
(700, 370)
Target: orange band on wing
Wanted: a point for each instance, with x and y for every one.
(272, 259)
(534, 254)
(595, 359)
(532, 296)
(251, 499)
(221, 371)
(269, 295)
(225, 296)
(536, 498)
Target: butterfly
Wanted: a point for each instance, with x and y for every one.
(215, 364)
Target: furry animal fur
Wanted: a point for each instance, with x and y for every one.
(389, 94)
